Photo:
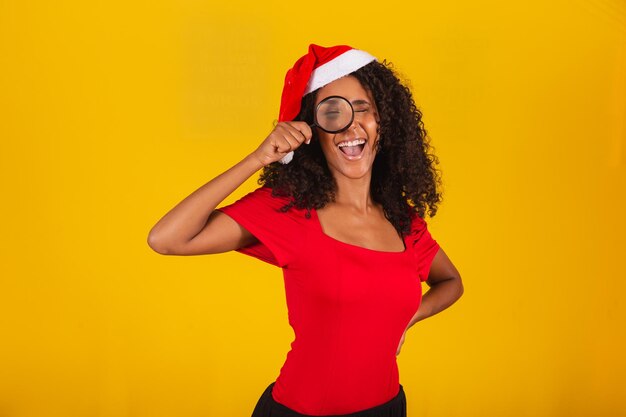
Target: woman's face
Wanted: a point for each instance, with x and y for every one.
(353, 161)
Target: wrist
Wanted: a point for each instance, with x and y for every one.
(254, 162)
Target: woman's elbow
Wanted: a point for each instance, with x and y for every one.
(460, 288)
(158, 244)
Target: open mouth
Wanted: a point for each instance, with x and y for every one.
(353, 148)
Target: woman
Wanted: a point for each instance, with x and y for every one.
(341, 212)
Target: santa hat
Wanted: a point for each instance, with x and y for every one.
(320, 66)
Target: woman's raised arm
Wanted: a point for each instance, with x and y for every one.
(193, 227)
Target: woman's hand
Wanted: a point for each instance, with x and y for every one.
(401, 342)
(286, 137)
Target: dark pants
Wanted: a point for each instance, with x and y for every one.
(268, 407)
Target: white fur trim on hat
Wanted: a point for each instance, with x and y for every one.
(338, 67)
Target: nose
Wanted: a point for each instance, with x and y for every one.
(351, 133)
(353, 129)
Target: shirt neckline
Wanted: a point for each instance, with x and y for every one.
(321, 231)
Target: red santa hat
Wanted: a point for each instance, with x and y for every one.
(320, 66)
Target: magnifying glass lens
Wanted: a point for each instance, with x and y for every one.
(334, 114)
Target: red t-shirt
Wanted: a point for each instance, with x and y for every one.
(348, 305)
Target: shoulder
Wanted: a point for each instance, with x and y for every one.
(417, 222)
(265, 199)
(419, 232)
(266, 195)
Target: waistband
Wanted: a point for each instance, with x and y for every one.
(268, 407)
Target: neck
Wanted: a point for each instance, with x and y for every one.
(354, 194)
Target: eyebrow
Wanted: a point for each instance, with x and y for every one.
(357, 102)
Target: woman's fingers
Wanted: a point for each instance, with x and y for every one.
(400, 343)
(293, 135)
(284, 138)
(303, 130)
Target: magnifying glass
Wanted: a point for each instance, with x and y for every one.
(334, 114)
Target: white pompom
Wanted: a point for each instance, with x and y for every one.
(287, 158)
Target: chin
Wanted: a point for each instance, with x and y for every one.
(354, 172)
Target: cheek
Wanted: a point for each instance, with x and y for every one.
(326, 142)
(372, 125)
(326, 145)
(369, 119)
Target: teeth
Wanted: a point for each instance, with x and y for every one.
(352, 143)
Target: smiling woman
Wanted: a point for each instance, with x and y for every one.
(353, 269)
(396, 161)
(358, 142)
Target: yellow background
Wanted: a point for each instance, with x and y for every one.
(112, 112)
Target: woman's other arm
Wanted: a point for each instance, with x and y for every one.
(445, 285)
(193, 227)
(445, 288)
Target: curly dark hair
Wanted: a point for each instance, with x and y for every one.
(404, 178)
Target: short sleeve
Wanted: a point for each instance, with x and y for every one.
(277, 232)
(424, 247)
